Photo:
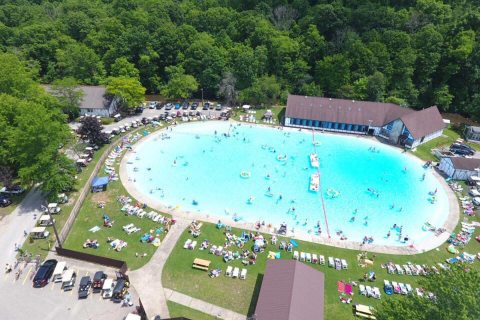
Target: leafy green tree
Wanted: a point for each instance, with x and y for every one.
(179, 85)
(123, 68)
(332, 73)
(69, 96)
(264, 90)
(128, 92)
(455, 292)
(375, 88)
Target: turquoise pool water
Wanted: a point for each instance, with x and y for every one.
(198, 168)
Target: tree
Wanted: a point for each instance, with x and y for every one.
(332, 73)
(283, 16)
(179, 85)
(91, 130)
(227, 89)
(456, 297)
(128, 92)
(264, 90)
(123, 68)
(375, 88)
(69, 96)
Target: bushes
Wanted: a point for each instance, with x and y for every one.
(106, 121)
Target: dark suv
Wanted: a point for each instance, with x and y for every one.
(44, 273)
(98, 280)
(84, 287)
(462, 149)
(5, 201)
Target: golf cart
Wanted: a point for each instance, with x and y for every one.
(53, 208)
(45, 221)
(39, 233)
(62, 198)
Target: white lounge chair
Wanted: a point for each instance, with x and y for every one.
(187, 243)
(302, 256)
(132, 230)
(344, 264)
(407, 269)
(219, 251)
(409, 288)
(331, 264)
(419, 292)
(295, 255)
(236, 272)
(362, 289)
(399, 269)
(390, 268)
(322, 259)
(243, 275)
(308, 257)
(192, 245)
(369, 291)
(403, 288)
(228, 273)
(376, 293)
(128, 226)
(314, 258)
(420, 269)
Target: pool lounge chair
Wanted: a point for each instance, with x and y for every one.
(132, 230)
(420, 269)
(435, 269)
(243, 275)
(308, 257)
(192, 245)
(344, 264)
(331, 264)
(419, 292)
(376, 293)
(369, 291)
(314, 258)
(187, 243)
(409, 288)
(128, 226)
(213, 249)
(390, 268)
(338, 264)
(228, 272)
(396, 288)
(295, 255)
(302, 256)
(403, 289)
(387, 287)
(236, 272)
(399, 269)
(322, 259)
(141, 214)
(362, 289)
(413, 269)
(407, 269)
(219, 251)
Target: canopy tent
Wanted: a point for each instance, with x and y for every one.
(99, 184)
(268, 114)
(246, 106)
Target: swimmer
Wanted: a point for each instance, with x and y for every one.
(392, 206)
(268, 189)
(388, 234)
(318, 224)
(400, 210)
(365, 223)
(423, 177)
(352, 219)
(355, 211)
(305, 223)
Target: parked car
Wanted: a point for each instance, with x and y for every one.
(463, 147)
(159, 106)
(169, 106)
(194, 106)
(185, 105)
(12, 190)
(206, 106)
(119, 290)
(178, 106)
(152, 104)
(117, 117)
(107, 288)
(138, 110)
(460, 150)
(44, 273)
(98, 280)
(84, 287)
(218, 107)
(211, 106)
(5, 201)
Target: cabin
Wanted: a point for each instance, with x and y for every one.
(459, 168)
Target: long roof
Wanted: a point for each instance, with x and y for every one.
(290, 291)
(376, 114)
(469, 164)
(94, 97)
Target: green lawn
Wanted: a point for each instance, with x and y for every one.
(241, 296)
(177, 311)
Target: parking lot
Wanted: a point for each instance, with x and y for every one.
(19, 300)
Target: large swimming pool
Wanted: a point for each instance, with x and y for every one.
(367, 187)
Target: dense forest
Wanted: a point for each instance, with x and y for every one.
(412, 52)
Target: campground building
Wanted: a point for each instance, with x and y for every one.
(290, 290)
(459, 168)
(398, 125)
(472, 133)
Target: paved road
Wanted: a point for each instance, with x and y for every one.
(13, 225)
(148, 280)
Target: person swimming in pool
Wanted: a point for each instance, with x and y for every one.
(352, 219)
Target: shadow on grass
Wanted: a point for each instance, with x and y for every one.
(256, 292)
(281, 115)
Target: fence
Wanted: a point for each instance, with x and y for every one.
(119, 264)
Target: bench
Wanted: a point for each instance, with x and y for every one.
(201, 264)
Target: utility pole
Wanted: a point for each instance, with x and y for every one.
(55, 231)
(202, 97)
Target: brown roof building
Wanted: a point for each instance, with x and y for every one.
(290, 291)
(395, 123)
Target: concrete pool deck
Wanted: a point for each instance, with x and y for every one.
(427, 244)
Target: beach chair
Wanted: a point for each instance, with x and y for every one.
(390, 269)
(219, 251)
(187, 243)
(344, 264)
(369, 291)
(442, 266)
(420, 269)
(128, 226)
(376, 293)
(302, 256)
(338, 264)
(236, 272)
(403, 289)
(213, 249)
(435, 270)
(399, 269)
(396, 287)
(362, 289)
(331, 264)
(314, 258)
(322, 259)
(243, 275)
(192, 245)
(141, 214)
(413, 269)
(132, 230)
(419, 292)
(409, 288)
(308, 257)
(295, 255)
(407, 269)
(228, 273)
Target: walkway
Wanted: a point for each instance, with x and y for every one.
(202, 306)
(148, 280)
(13, 225)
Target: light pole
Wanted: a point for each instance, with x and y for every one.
(55, 230)
(202, 96)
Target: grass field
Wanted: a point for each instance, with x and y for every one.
(241, 295)
(177, 311)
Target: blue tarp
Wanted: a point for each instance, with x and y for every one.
(99, 182)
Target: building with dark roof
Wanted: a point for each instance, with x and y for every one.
(290, 291)
(397, 124)
(459, 168)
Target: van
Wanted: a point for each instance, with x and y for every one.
(119, 290)
(58, 272)
(107, 288)
(68, 280)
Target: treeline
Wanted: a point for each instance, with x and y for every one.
(412, 52)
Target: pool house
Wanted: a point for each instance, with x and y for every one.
(398, 125)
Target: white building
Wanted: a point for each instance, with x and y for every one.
(459, 168)
(472, 133)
